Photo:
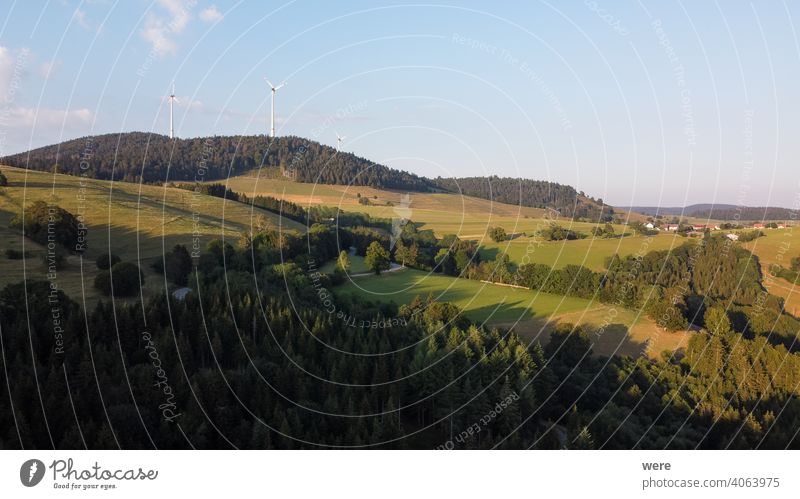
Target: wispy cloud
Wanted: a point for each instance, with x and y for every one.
(13, 66)
(79, 16)
(210, 14)
(161, 26)
(48, 68)
(25, 117)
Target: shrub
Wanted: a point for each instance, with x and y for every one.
(107, 260)
(750, 236)
(497, 234)
(66, 230)
(126, 278)
(556, 232)
(13, 254)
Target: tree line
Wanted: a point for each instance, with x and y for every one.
(232, 366)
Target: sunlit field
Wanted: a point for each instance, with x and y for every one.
(530, 313)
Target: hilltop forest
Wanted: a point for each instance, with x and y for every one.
(150, 158)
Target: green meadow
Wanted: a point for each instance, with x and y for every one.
(531, 314)
(590, 252)
(136, 221)
(779, 246)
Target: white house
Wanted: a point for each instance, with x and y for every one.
(733, 237)
(649, 225)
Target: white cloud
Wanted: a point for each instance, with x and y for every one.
(159, 29)
(26, 117)
(6, 69)
(13, 66)
(155, 32)
(79, 16)
(51, 125)
(210, 14)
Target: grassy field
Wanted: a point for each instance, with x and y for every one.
(137, 222)
(465, 216)
(531, 314)
(590, 252)
(779, 246)
(357, 265)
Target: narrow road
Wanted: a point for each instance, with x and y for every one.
(393, 268)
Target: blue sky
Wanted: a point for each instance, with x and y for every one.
(665, 103)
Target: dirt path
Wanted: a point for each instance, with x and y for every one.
(393, 268)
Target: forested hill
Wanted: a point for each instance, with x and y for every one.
(153, 158)
(718, 212)
(526, 192)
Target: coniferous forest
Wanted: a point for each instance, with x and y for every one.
(261, 354)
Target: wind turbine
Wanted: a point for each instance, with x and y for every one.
(172, 100)
(272, 120)
(339, 141)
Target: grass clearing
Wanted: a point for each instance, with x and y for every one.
(778, 246)
(531, 314)
(136, 221)
(357, 265)
(590, 252)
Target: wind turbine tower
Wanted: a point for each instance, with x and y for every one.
(339, 142)
(172, 100)
(274, 89)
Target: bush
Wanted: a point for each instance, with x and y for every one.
(54, 260)
(497, 234)
(750, 236)
(107, 260)
(556, 232)
(66, 229)
(3, 180)
(790, 275)
(126, 276)
(13, 254)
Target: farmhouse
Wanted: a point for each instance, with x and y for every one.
(670, 226)
(733, 237)
(758, 226)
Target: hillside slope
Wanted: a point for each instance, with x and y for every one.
(149, 158)
(564, 199)
(137, 222)
(154, 158)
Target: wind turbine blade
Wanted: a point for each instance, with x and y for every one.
(269, 82)
(280, 86)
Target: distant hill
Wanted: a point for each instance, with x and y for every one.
(150, 158)
(674, 210)
(718, 212)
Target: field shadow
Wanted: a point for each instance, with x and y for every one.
(607, 341)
